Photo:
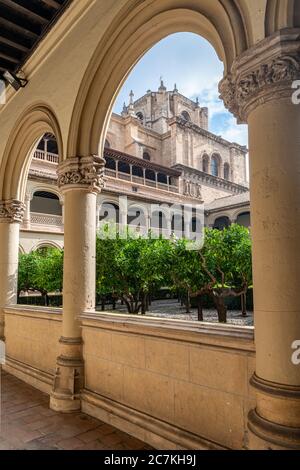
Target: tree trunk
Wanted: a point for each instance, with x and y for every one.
(188, 303)
(221, 309)
(200, 309)
(244, 304)
(144, 303)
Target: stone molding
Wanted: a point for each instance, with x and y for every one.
(263, 73)
(200, 178)
(11, 211)
(82, 173)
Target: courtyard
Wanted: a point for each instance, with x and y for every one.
(80, 137)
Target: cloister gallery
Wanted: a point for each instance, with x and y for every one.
(171, 384)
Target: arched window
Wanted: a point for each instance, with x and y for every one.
(109, 213)
(48, 144)
(110, 163)
(215, 165)
(244, 219)
(226, 171)
(44, 202)
(205, 163)
(140, 117)
(124, 167)
(159, 221)
(185, 115)
(146, 156)
(221, 223)
(136, 218)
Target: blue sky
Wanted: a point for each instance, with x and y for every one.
(191, 62)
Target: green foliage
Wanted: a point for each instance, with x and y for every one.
(41, 271)
(226, 257)
(130, 267)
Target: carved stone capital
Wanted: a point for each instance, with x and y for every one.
(82, 173)
(263, 73)
(11, 211)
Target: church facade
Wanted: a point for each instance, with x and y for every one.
(159, 155)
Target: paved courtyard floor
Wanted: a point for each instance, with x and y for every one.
(172, 309)
(27, 423)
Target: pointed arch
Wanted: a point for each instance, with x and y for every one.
(24, 138)
(137, 28)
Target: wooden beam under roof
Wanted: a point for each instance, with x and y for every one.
(52, 3)
(26, 9)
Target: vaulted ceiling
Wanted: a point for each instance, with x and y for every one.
(23, 24)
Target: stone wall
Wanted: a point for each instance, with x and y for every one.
(31, 341)
(171, 384)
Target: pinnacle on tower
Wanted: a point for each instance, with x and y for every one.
(162, 85)
(131, 96)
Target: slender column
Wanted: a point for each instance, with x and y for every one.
(131, 175)
(98, 208)
(260, 91)
(80, 180)
(26, 220)
(11, 215)
(46, 148)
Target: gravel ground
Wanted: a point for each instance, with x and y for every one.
(172, 309)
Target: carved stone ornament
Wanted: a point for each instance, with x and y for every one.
(11, 211)
(264, 73)
(83, 172)
(192, 189)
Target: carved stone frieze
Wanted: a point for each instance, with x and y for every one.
(83, 172)
(264, 73)
(11, 211)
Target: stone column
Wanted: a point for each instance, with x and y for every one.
(11, 215)
(80, 180)
(26, 220)
(259, 91)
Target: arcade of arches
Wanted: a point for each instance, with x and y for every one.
(211, 387)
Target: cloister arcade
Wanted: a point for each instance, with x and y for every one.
(172, 386)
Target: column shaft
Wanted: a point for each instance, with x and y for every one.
(9, 252)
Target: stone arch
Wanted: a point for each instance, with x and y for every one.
(46, 244)
(46, 188)
(46, 202)
(222, 222)
(31, 126)
(138, 27)
(147, 155)
(281, 14)
(112, 209)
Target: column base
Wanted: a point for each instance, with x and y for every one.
(68, 382)
(264, 435)
(275, 423)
